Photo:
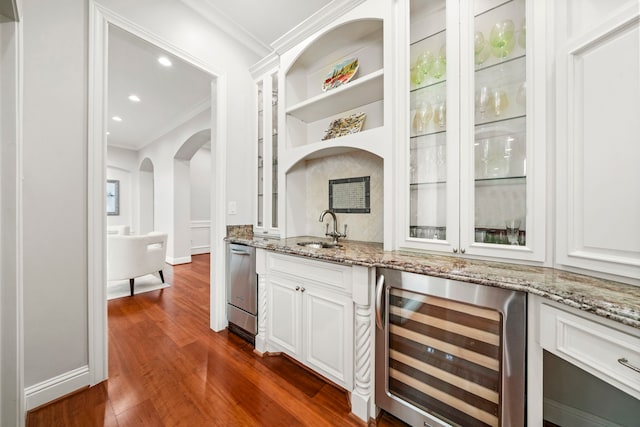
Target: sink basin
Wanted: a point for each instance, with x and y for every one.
(319, 245)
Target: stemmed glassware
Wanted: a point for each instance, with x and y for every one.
(502, 38)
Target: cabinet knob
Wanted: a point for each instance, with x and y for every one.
(302, 289)
(455, 250)
(297, 288)
(463, 250)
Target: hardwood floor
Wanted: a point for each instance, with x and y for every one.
(167, 368)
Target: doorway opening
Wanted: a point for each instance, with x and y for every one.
(151, 163)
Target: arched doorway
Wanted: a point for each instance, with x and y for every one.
(181, 243)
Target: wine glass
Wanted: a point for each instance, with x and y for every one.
(440, 115)
(499, 101)
(425, 62)
(522, 36)
(439, 68)
(502, 38)
(422, 117)
(481, 48)
(513, 231)
(483, 98)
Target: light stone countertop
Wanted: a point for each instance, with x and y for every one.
(613, 300)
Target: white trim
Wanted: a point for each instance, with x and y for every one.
(267, 65)
(316, 22)
(100, 18)
(227, 25)
(56, 387)
(179, 260)
(12, 405)
(199, 250)
(96, 176)
(217, 296)
(568, 416)
(201, 223)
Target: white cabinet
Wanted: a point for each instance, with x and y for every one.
(284, 301)
(266, 80)
(598, 105)
(607, 353)
(471, 120)
(320, 313)
(310, 315)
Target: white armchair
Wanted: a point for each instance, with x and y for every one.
(129, 257)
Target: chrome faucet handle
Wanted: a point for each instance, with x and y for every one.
(345, 231)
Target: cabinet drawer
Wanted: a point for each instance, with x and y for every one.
(333, 276)
(592, 346)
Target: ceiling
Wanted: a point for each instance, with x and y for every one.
(172, 95)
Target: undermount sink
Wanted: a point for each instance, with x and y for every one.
(319, 245)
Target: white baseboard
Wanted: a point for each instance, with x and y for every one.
(568, 416)
(176, 261)
(54, 388)
(197, 250)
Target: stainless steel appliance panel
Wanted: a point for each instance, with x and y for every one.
(243, 282)
(449, 353)
(242, 291)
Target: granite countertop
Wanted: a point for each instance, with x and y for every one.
(613, 300)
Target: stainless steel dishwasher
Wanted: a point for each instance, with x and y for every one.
(242, 291)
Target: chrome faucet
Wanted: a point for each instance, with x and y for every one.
(335, 233)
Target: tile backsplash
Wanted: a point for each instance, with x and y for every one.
(361, 227)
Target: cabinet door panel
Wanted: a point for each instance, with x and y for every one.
(284, 315)
(327, 323)
(598, 174)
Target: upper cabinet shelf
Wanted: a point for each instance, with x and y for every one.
(360, 91)
(310, 111)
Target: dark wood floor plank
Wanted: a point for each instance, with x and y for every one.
(167, 368)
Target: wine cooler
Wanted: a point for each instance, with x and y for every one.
(449, 353)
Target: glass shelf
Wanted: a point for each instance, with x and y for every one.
(501, 178)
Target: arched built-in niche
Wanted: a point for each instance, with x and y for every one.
(307, 184)
(146, 197)
(182, 194)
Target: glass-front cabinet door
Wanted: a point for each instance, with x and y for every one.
(432, 147)
(266, 223)
(475, 176)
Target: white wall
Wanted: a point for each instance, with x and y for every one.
(55, 189)
(122, 165)
(56, 50)
(10, 296)
(166, 170)
(200, 177)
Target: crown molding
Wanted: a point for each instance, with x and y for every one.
(314, 23)
(265, 65)
(210, 12)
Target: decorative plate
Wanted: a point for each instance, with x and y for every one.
(345, 126)
(341, 74)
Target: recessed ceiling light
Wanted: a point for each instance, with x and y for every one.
(164, 61)
(116, 118)
(108, 133)
(134, 98)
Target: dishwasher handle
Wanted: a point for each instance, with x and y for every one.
(379, 291)
(237, 252)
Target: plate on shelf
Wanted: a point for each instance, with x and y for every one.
(345, 126)
(341, 74)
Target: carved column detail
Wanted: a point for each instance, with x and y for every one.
(261, 338)
(363, 349)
